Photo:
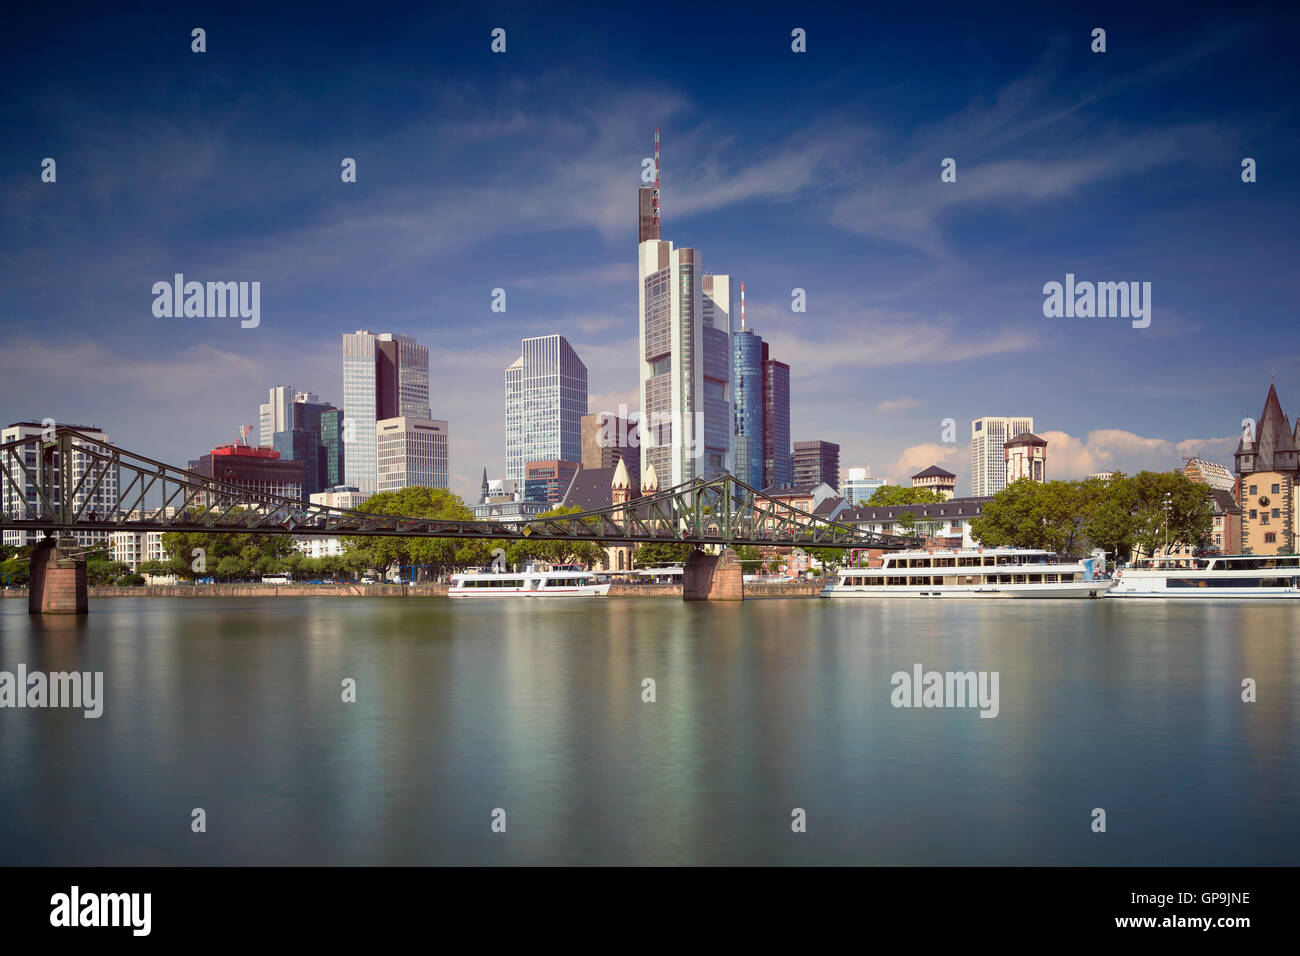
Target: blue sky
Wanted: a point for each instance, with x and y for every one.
(817, 170)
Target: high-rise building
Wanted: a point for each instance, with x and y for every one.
(859, 485)
(608, 439)
(647, 207)
(670, 305)
(276, 414)
(546, 397)
(331, 439)
(411, 452)
(93, 483)
(816, 461)
(304, 441)
(988, 464)
(1026, 457)
(778, 462)
(384, 376)
(715, 374)
(747, 402)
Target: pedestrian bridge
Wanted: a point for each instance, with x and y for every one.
(154, 496)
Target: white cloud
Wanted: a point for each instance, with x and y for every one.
(1114, 449)
(896, 405)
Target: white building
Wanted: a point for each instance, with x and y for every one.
(98, 491)
(384, 376)
(546, 397)
(344, 496)
(988, 466)
(859, 485)
(411, 451)
(275, 415)
(133, 548)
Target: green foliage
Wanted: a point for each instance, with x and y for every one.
(439, 554)
(15, 571)
(653, 554)
(181, 547)
(1117, 515)
(102, 571)
(897, 495)
(749, 556)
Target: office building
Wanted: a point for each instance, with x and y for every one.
(859, 485)
(255, 469)
(715, 376)
(547, 481)
(747, 403)
(608, 439)
(546, 397)
(816, 461)
(332, 449)
(93, 482)
(411, 452)
(346, 497)
(778, 462)
(988, 463)
(385, 376)
(276, 414)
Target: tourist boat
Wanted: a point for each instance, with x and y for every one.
(1211, 577)
(972, 573)
(555, 582)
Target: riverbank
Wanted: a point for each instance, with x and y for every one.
(784, 589)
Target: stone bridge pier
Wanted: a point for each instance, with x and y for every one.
(712, 577)
(58, 579)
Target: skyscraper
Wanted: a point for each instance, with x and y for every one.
(90, 483)
(276, 414)
(816, 461)
(410, 451)
(778, 463)
(988, 466)
(715, 374)
(384, 376)
(546, 397)
(747, 402)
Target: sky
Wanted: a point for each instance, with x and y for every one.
(817, 171)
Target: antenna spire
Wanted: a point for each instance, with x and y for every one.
(654, 201)
(742, 307)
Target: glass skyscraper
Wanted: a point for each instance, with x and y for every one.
(778, 461)
(747, 400)
(546, 397)
(384, 376)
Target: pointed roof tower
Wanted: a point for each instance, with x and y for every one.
(620, 481)
(1274, 446)
(650, 482)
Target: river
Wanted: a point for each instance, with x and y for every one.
(761, 709)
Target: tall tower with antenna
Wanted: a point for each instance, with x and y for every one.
(648, 204)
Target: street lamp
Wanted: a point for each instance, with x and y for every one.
(1169, 503)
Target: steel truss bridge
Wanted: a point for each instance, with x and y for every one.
(154, 496)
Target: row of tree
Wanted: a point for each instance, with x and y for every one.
(1120, 515)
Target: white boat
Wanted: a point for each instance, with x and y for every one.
(972, 573)
(1216, 578)
(558, 582)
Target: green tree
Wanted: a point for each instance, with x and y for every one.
(383, 554)
(102, 571)
(652, 554)
(896, 495)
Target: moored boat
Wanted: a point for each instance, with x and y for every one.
(972, 573)
(1211, 577)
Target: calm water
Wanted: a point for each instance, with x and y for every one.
(234, 706)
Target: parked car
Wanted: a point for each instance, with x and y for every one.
(367, 580)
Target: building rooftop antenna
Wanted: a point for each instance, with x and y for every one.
(742, 307)
(654, 199)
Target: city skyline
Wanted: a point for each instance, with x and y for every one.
(924, 298)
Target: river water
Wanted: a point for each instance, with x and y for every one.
(535, 709)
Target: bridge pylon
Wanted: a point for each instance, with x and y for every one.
(58, 578)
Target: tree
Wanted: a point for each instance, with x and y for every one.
(384, 554)
(102, 571)
(652, 554)
(896, 495)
